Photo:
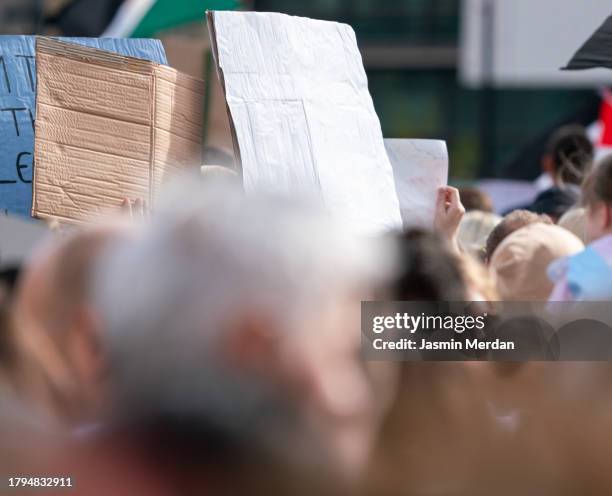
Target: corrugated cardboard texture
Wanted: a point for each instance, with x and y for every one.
(18, 112)
(302, 115)
(109, 127)
(190, 54)
(420, 167)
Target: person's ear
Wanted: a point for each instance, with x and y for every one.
(250, 342)
(253, 344)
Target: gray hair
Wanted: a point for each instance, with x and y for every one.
(209, 253)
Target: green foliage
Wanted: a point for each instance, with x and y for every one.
(167, 14)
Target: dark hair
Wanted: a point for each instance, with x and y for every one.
(429, 270)
(474, 199)
(598, 186)
(572, 153)
(7, 339)
(510, 223)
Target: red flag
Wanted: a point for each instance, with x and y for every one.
(605, 118)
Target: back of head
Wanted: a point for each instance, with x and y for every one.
(521, 261)
(598, 186)
(211, 262)
(571, 153)
(72, 273)
(56, 324)
(513, 221)
(57, 281)
(574, 221)
(429, 271)
(475, 199)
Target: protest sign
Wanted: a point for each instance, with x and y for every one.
(302, 117)
(109, 127)
(192, 55)
(18, 113)
(420, 167)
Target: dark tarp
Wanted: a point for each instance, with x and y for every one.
(596, 52)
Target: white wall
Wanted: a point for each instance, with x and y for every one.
(532, 40)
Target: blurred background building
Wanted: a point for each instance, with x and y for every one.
(412, 51)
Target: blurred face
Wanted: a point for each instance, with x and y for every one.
(599, 221)
(316, 365)
(340, 403)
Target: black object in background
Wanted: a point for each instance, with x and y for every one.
(85, 18)
(596, 52)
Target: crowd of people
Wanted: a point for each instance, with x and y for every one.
(212, 346)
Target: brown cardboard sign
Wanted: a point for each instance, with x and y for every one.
(109, 127)
(192, 55)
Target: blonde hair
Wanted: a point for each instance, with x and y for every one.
(574, 221)
(479, 281)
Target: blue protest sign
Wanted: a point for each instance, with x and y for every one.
(18, 108)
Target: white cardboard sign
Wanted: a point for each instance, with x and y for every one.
(302, 115)
(420, 167)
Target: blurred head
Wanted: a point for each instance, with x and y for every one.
(428, 270)
(597, 197)
(521, 261)
(475, 199)
(57, 322)
(474, 230)
(246, 322)
(569, 155)
(512, 222)
(575, 221)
